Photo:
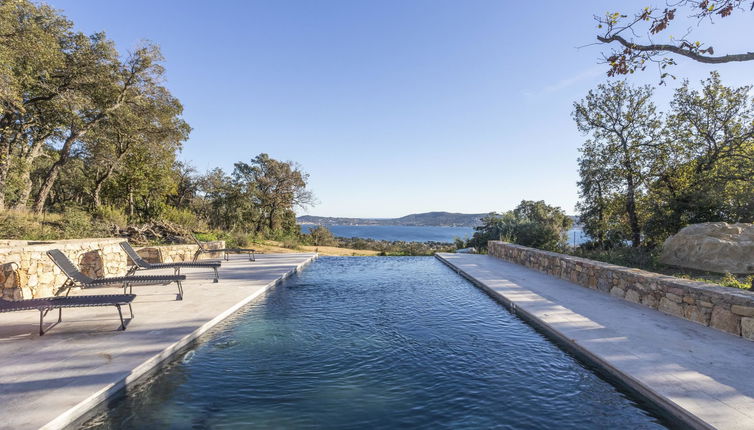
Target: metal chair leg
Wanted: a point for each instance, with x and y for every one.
(180, 291)
(120, 315)
(217, 276)
(42, 313)
(131, 310)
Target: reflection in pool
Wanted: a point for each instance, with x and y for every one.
(376, 342)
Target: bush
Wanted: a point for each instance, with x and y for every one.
(26, 226)
(183, 217)
(111, 215)
(77, 224)
(321, 236)
(534, 224)
(290, 242)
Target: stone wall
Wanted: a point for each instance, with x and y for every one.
(727, 309)
(27, 272)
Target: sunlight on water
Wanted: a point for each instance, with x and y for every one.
(394, 342)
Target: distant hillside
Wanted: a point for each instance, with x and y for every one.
(445, 219)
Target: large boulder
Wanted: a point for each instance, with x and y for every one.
(712, 246)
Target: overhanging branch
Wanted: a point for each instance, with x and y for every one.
(749, 56)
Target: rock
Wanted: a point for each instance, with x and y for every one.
(725, 320)
(747, 328)
(713, 246)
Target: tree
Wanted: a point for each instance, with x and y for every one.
(630, 33)
(112, 86)
(541, 225)
(625, 133)
(709, 162)
(275, 187)
(494, 226)
(321, 236)
(150, 123)
(33, 75)
(531, 223)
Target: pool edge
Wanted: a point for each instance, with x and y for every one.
(78, 414)
(667, 407)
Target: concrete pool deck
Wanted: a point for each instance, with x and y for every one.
(699, 375)
(52, 381)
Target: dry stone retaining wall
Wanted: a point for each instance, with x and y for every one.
(27, 272)
(727, 309)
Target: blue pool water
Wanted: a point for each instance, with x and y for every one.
(376, 343)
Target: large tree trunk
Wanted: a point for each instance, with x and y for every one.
(52, 174)
(272, 220)
(27, 162)
(633, 219)
(100, 182)
(600, 216)
(4, 169)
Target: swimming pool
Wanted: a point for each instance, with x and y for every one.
(376, 342)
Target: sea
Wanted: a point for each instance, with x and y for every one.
(576, 236)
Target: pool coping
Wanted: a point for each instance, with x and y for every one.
(666, 406)
(78, 414)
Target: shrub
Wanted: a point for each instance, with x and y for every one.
(111, 215)
(321, 236)
(77, 223)
(183, 217)
(534, 224)
(291, 242)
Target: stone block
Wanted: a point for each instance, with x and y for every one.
(716, 247)
(747, 328)
(633, 296)
(670, 307)
(697, 314)
(617, 292)
(674, 297)
(725, 320)
(746, 311)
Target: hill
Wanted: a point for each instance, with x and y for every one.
(444, 219)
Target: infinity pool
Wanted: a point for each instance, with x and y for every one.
(383, 343)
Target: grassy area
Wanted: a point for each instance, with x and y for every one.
(272, 246)
(641, 258)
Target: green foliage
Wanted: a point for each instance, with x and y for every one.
(729, 280)
(648, 259)
(74, 223)
(531, 223)
(644, 177)
(320, 236)
(111, 215)
(290, 242)
(615, 163)
(183, 217)
(77, 223)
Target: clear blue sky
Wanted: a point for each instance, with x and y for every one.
(393, 107)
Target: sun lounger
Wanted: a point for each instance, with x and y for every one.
(78, 279)
(226, 251)
(46, 304)
(141, 264)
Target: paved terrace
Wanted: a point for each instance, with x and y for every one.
(52, 380)
(702, 376)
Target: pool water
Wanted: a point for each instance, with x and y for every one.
(378, 343)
